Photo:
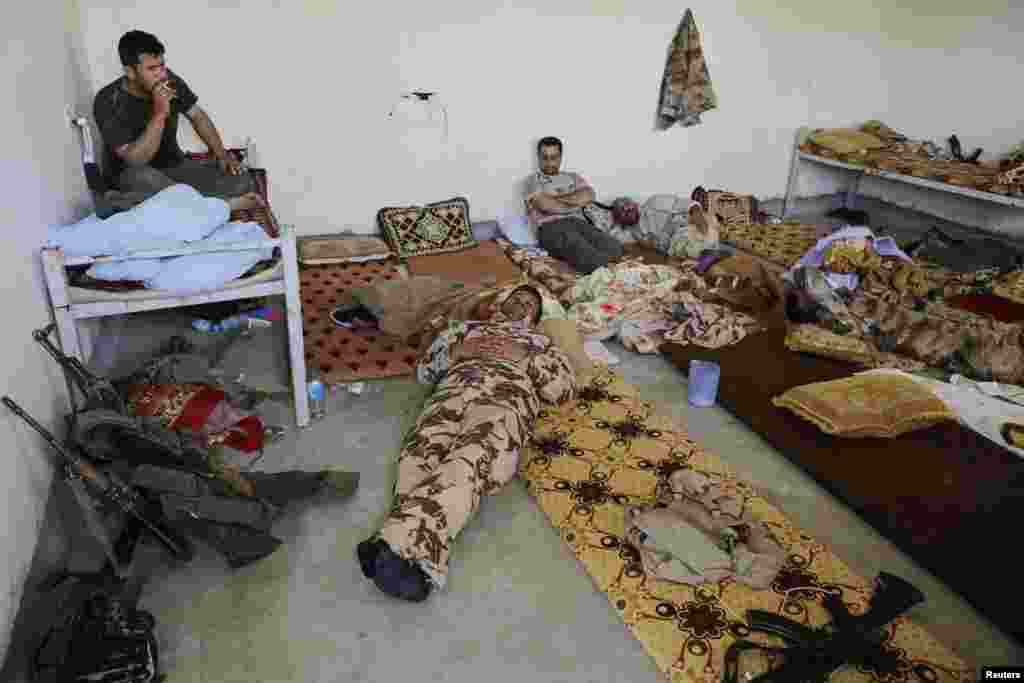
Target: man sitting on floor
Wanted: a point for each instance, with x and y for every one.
(491, 379)
(137, 115)
(555, 202)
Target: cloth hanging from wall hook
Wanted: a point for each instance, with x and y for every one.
(419, 107)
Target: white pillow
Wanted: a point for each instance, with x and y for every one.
(517, 229)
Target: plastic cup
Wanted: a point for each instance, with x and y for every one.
(703, 385)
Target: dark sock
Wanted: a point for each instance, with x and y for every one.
(400, 578)
(367, 552)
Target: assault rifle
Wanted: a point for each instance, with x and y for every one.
(814, 653)
(107, 487)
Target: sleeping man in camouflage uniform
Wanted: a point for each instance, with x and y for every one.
(491, 378)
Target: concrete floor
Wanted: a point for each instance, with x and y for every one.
(518, 605)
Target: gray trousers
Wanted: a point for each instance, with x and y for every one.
(578, 243)
(135, 184)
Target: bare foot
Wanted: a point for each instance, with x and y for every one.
(250, 200)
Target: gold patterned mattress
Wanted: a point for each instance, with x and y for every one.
(782, 244)
(592, 457)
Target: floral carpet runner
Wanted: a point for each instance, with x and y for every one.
(607, 449)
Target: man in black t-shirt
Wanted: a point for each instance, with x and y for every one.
(138, 118)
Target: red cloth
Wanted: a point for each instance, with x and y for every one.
(189, 407)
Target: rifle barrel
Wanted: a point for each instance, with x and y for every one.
(43, 432)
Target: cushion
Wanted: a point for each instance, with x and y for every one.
(436, 228)
(516, 229)
(732, 208)
(820, 342)
(486, 230)
(566, 336)
(879, 403)
(845, 140)
(318, 251)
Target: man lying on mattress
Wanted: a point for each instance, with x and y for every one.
(491, 378)
(137, 114)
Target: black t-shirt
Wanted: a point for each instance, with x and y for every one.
(122, 118)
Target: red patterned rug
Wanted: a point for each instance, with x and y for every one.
(345, 355)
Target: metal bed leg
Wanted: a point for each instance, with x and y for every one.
(794, 170)
(293, 309)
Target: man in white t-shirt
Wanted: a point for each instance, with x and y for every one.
(555, 201)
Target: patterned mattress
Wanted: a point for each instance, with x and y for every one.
(592, 457)
(781, 244)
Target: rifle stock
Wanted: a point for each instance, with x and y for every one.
(109, 488)
(814, 653)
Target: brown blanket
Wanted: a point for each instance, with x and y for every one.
(484, 264)
(410, 309)
(944, 495)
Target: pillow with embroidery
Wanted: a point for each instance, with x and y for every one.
(436, 228)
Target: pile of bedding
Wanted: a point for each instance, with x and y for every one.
(643, 304)
(875, 146)
(869, 298)
(173, 218)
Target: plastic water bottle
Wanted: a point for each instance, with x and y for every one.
(232, 323)
(317, 395)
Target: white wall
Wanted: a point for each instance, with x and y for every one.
(41, 70)
(313, 80)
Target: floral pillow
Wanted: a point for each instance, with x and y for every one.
(436, 228)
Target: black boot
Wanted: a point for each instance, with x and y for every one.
(367, 552)
(392, 574)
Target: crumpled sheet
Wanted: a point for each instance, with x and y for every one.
(643, 307)
(630, 290)
(701, 533)
(893, 311)
(710, 325)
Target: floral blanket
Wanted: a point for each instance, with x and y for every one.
(642, 304)
(900, 307)
(646, 305)
(592, 457)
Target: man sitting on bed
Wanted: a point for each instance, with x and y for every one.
(137, 115)
(555, 202)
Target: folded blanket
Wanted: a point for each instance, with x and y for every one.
(192, 273)
(168, 219)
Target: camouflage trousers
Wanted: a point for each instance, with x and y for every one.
(465, 444)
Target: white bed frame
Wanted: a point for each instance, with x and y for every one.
(285, 282)
(67, 312)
